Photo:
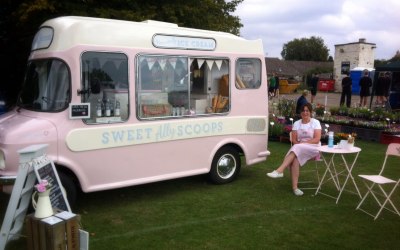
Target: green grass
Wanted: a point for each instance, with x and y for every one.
(254, 212)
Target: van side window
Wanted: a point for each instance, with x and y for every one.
(179, 86)
(248, 73)
(105, 86)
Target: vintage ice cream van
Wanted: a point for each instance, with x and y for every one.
(125, 103)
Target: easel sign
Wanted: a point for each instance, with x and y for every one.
(45, 170)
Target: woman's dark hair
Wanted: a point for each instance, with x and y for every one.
(308, 105)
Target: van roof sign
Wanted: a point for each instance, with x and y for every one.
(183, 42)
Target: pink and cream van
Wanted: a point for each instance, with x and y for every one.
(125, 103)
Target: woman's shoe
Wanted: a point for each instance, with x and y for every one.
(275, 174)
(298, 192)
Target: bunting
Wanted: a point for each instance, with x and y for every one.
(163, 61)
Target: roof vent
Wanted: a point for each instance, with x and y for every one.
(362, 40)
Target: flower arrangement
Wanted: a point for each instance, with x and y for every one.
(320, 110)
(287, 129)
(345, 136)
(287, 107)
(43, 186)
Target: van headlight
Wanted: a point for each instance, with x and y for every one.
(2, 160)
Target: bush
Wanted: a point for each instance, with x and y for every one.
(287, 107)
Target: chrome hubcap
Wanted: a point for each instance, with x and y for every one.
(226, 166)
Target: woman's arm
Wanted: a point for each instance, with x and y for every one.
(315, 140)
(294, 137)
(317, 137)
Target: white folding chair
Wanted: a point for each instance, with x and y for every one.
(379, 180)
(305, 184)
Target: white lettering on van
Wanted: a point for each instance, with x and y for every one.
(163, 132)
(171, 41)
(121, 136)
(199, 129)
(135, 134)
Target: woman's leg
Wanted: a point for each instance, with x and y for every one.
(286, 162)
(295, 173)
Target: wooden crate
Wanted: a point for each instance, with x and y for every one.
(71, 229)
(32, 232)
(52, 233)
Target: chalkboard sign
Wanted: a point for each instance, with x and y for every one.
(79, 110)
(47, 171)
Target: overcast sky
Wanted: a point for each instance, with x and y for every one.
(277, 22)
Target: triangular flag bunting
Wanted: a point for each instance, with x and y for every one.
(210, 63)
(172, 61)
(200, 62)
(151, 61)
(162, 63)
(218, 63)
(184, 62)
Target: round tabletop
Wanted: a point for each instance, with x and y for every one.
(336, 150)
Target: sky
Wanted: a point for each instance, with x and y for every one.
(277, 22)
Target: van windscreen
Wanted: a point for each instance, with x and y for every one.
(46, 87)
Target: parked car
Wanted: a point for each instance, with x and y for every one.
(4, 105)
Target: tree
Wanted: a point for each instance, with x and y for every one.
(20, 19)
(381, 62)
(396, 57)
(305, 49)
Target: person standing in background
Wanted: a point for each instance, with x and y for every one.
(271, 87)
(382, 90)
(379, 88)
(301, 101)
(346, 91)
(365, 83)
(314, 86)
(276, 91)
(386, 88)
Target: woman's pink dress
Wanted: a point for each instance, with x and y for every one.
(305, 132)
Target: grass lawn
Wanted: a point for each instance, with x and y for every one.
(254, 212)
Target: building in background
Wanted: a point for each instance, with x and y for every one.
(350, 56)
(296, 70)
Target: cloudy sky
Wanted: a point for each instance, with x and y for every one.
(277, 22)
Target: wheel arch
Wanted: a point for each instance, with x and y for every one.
(237, 145)
(68, 172)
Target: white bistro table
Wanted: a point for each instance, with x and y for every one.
(328, 155)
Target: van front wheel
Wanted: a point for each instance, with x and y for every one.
(225, 166)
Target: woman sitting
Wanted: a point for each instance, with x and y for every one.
(306, 136)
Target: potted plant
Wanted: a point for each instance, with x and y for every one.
(275, 130)
(287, 107)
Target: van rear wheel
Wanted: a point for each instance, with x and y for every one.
(225, 166)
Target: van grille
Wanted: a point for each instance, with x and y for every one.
(256, 125)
